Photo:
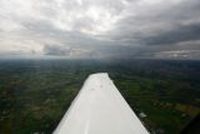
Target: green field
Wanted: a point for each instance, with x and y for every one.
(34, 95)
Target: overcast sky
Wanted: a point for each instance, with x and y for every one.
(101, 28)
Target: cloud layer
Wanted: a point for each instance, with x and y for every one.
(101, 28)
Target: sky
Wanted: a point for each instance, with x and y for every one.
(163, 29)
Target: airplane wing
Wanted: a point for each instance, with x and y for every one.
(99, 108)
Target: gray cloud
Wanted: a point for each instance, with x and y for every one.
(54, 50)
(101, 28)
(180, 34)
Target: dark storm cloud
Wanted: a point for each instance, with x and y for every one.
(152, 20)
(180, 34)
(58, 51)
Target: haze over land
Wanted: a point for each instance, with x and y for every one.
(100, 28)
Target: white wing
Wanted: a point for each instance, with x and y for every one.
(99, 108)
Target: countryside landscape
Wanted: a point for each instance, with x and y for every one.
(35, 94)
